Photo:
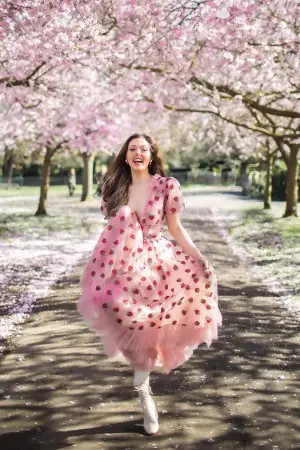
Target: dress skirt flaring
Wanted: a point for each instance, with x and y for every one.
(150, 301)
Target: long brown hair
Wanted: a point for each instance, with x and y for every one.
(118, 177)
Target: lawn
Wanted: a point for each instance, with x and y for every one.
(272, 244)
(35, 251)
(34, 191)
(16, 191)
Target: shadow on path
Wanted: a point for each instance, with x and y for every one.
(242, 393)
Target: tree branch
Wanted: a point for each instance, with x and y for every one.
(24, 81)
(246, 100)
(257, 129)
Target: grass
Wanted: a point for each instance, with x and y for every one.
(16, 191)
(264, 221)
(68, 215)
(272, 243)
(13, 224)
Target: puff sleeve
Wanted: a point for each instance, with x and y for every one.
(173, 201)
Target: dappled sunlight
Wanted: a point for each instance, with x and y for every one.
(35, 251)
(269, 247)
(59, 389)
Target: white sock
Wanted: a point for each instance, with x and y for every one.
(140, 376)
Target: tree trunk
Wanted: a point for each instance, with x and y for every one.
(292, 182)
(8, 165)
(41, 211)
(10, 168)
(268, 185)
(87, 182)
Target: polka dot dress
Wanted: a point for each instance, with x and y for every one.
(150, 301)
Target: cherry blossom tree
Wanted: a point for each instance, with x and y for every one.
(241, 65)
(235, 60)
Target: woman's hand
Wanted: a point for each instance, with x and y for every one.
(183, 239)
(204, 262)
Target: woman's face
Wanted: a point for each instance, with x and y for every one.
(138, 154)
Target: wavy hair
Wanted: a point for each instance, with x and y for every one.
(118, 177)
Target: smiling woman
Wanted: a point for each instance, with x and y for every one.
(152, 301)
(131, 171)
(138, 154)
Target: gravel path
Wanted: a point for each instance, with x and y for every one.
(59, 391)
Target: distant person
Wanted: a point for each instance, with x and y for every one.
(152, 301)
(246, 184)
(71, 181)
(99, 180)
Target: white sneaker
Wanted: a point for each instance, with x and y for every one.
(149, 409)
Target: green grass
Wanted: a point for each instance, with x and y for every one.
(290, 226)
(12, 224)
(16, 191)
(66, 216)
(264, 220)
(272, 243)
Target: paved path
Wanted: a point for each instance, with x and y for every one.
(58, 390)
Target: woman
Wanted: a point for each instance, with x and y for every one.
(71, 181)
(153, 301)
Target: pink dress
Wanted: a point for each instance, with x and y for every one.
(149, 300)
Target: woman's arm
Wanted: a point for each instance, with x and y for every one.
(182, 237)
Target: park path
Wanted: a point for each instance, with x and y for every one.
(59, 391)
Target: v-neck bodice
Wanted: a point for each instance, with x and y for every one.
(147, 201)
(164, 197)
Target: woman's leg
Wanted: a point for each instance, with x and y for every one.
(141, 384)
(140, 377)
